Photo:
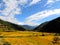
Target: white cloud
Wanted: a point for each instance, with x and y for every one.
(50, 2)
(41, 15)
(34, 2)
(8, 14)
(22, 2)
(30, 23)
(12, 20)
(10, 7)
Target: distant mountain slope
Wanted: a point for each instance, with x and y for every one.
(51, 26)
(7, 26)
(27, 27)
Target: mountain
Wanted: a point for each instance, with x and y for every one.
(40, 27)
(28, 27)
(7, 26)
(52, 26)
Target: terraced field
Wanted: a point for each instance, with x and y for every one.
(28, 38)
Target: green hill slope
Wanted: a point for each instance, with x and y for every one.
(7, 26)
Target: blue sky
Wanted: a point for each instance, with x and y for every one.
(29, 12)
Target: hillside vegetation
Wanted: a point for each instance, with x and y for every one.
(7, 26)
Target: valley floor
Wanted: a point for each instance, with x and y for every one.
(28, 38)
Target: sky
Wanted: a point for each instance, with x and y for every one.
(29, 12)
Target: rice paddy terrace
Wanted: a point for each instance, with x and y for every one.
(28, 38)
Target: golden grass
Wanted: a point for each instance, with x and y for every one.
(26, 38)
